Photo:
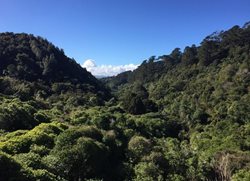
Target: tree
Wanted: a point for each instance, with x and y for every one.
(148, 172)
(207, 52)
(79, 154)
(49, 65)
(138, 146)
(86, 158)
(189, 56)
(241, 175)
(16, 115)
(151, 59)
(136, 101)
(176, 55)
(133, 104)
(10, 169)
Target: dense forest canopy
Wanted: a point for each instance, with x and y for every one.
(177, 117)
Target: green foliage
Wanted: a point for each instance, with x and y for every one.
(189, 55)
(138, 146)
(136, 100)
(79, 154)
(182, 116)
(156, 125)
(43, 134)
(44, 175)
(10, 169)
(16, 115)
(30, 159)
(241, 175)
(147, 172)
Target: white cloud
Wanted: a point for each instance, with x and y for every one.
(107, 70)
(88, 64)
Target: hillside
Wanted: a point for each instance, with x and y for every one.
(33, 58)
(177, 117)
(32, 66)
(215, 49)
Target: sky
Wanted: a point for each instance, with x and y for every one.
(110, 36)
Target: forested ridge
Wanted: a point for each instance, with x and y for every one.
(177, 117)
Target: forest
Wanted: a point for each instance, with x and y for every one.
(184, 116)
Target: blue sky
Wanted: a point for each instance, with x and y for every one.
(119, 32)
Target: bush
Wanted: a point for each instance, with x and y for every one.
(16, 115)
(10, 169)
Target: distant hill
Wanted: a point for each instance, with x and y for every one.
(27, 59)
(215, 49)
(25, 56)
(100, 76)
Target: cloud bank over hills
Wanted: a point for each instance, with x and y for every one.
(106, 70)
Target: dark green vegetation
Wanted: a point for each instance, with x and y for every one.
(183, 116)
